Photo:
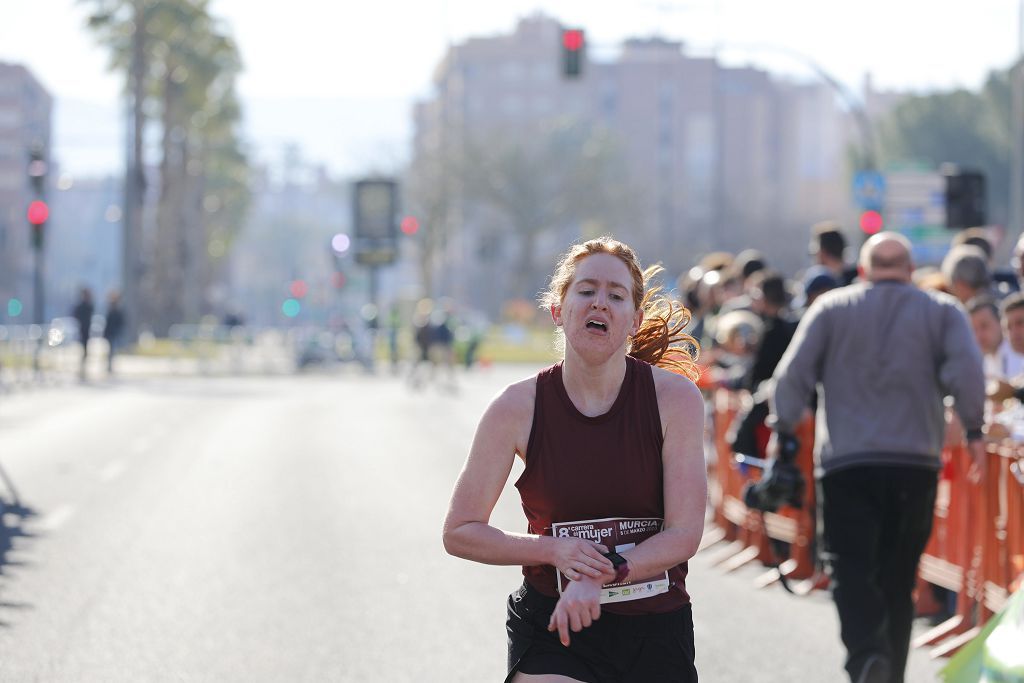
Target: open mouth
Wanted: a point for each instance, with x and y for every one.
(597, 325)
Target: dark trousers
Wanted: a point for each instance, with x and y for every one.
(877, 522)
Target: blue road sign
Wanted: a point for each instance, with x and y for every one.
(869, 190)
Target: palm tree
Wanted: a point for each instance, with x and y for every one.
(187, 69)
(124, 27)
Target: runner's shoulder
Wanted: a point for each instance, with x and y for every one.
(675, 389)
(515, 401)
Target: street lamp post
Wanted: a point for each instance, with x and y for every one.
(1017, 133)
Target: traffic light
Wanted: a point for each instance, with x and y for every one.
(965, 199)
(38, 211)
(410, 225)
(871, 222)
(37, 170)
(374, 212)
(37, 214)
(573, 51)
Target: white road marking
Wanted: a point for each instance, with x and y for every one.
(57, 518)
(112, 470)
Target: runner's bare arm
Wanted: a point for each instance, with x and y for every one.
(502, 433)
(685, 479)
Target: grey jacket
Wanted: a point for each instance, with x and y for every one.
(883, 356)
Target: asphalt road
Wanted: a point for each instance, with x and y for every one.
(288, 529)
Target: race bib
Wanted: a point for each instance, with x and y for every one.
(618, 534)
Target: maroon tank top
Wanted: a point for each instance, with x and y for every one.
(582, 468)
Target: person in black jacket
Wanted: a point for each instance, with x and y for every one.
(82, 313)
(113, 327)
(770, 300)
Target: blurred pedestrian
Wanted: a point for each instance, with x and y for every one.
(422, 336)
(394, 327)
(113, 327)
(613, 452)
(82, 313)
(442, 345)
(885, 354)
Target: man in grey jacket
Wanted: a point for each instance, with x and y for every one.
(883, 354)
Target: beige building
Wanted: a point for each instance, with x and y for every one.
(713, 158)
(25, 109)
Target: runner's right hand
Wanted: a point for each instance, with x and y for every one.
(577, 557)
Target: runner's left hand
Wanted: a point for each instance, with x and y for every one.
(578, 608)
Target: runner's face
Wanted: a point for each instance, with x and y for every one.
(597, 313)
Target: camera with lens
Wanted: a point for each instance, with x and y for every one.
(782, 482)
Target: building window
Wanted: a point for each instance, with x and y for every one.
(512, 105)
(512, 71)
(544, 72)
(9, 117)
(11, 180)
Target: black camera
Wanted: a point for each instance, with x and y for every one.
(782, 482)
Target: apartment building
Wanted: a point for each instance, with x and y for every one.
(714, 157)
(25, 110)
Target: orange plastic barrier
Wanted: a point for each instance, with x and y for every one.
(976, 548)
(751, 530)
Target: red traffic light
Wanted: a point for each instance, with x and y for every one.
(871, 222)
(410, 225)
(298, 288)
(38, 212)
(572, 39)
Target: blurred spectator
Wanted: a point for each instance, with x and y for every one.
(1012, 350)
(748, 262)
(82, 313)
(1017, 262)
(828, 247)
(737, 337)
(113, 327)
(714, 288)
(1004, 280)
(930, 279)
(989, 334)
(975, 237)
(816, 281)
(770, 297)
(747, 265)
(967, 273)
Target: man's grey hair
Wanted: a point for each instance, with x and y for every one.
(967, 264)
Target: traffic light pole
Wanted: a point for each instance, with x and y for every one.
(37, 214)
(38, 293)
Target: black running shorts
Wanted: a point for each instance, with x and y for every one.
(654, 648)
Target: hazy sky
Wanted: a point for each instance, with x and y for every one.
(338, 78)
